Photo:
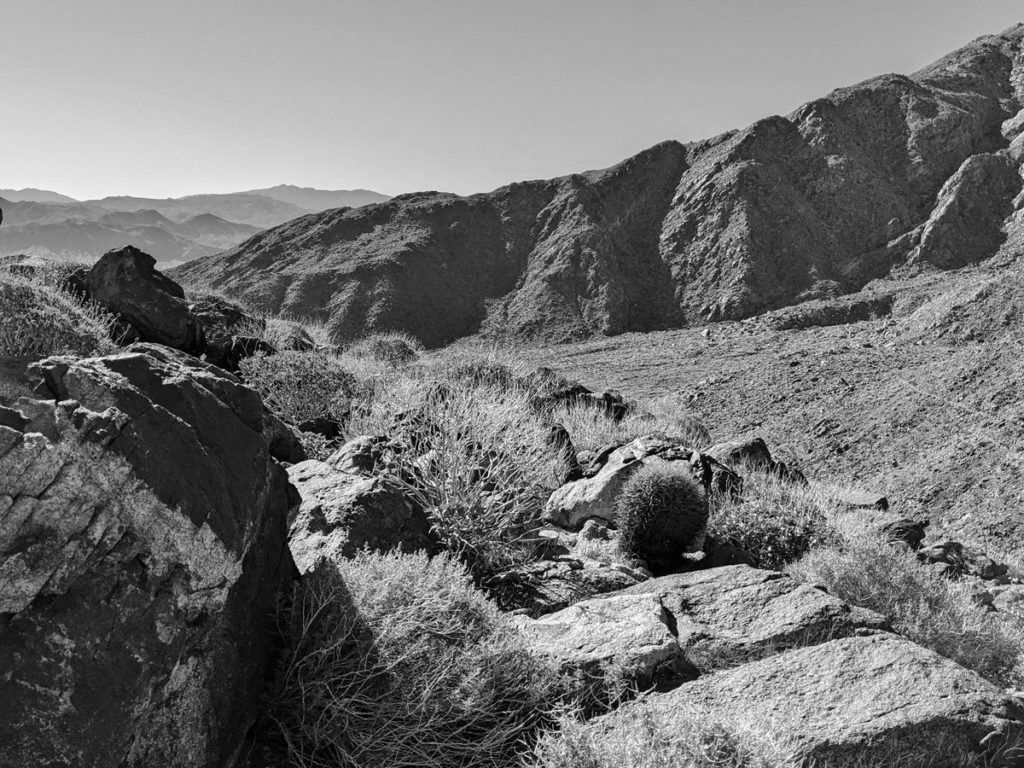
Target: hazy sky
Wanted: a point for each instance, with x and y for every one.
(164, 98)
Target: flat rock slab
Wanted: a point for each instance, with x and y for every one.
(874, 700)
(666, 630)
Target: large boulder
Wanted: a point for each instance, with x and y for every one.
(343, 513)
(125, 282)
(665, 630)
(571, 505)
(142, 554)
(873, 700)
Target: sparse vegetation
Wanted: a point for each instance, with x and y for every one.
(393, 349)
(478, 462)
(300, 386)
(774, 521)
(929, 609)
(397, 660)
(660, 514)
(40, 317)
(636, 737)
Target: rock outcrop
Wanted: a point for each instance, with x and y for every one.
(142, 553)
(917, 170)
(875, 700)
(673, 628)
(125, 282)
(345, 512)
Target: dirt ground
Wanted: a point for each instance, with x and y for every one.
(915, 405)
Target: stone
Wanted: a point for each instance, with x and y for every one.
(543, 587)
(753, 453)
(856, 499)
(342, 513)
(360, 455)
(871, 700)
(283, 439)
(672, 628)
(571, 505)
(904, 531)
(222, 318)
(125, 282)
(228, 352)
(142, 557)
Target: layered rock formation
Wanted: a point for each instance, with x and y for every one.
(921, 171)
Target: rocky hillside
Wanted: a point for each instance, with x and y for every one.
(897, 173)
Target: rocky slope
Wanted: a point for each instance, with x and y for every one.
(899, 172)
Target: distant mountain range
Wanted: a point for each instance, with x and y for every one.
(173, 230)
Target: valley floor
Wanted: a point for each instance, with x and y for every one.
(933, 422)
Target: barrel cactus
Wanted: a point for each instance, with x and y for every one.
(661, 513)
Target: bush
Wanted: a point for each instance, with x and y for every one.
(591, 429)
(394, 349)
(40, 318)
(636, 737)
(300, 386)
(926, 607)
(395, 660)
(479, 463)
(775, 521)
(660, 513)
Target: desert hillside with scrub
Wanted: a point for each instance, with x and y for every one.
(711, 459)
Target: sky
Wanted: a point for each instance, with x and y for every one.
(162, 98)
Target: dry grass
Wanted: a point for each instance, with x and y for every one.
(39, 317)
(396, 660)
(477, 460)
(637, 737)
(300, 386)
(922, 605)
(775, 521)
(591, 430)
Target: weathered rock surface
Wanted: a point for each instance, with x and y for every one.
(878, 700)
(142, 552)
(551, 585)
(342, 513)
(671, 628)
(594, 497)
(125, 282)
(816, 203)
(755, 454)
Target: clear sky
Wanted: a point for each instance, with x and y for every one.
(170, 97)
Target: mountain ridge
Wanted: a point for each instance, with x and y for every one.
(886, 175)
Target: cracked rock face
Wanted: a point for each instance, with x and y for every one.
(672, 628)
(142, 550)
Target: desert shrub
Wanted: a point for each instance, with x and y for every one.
(480, 465)
(637, 737)
(38, 317)
(660, 513)
(591, 429)
(396, 660)
(926, 607)
(300, 386)
(394, 348)
(775, 521)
